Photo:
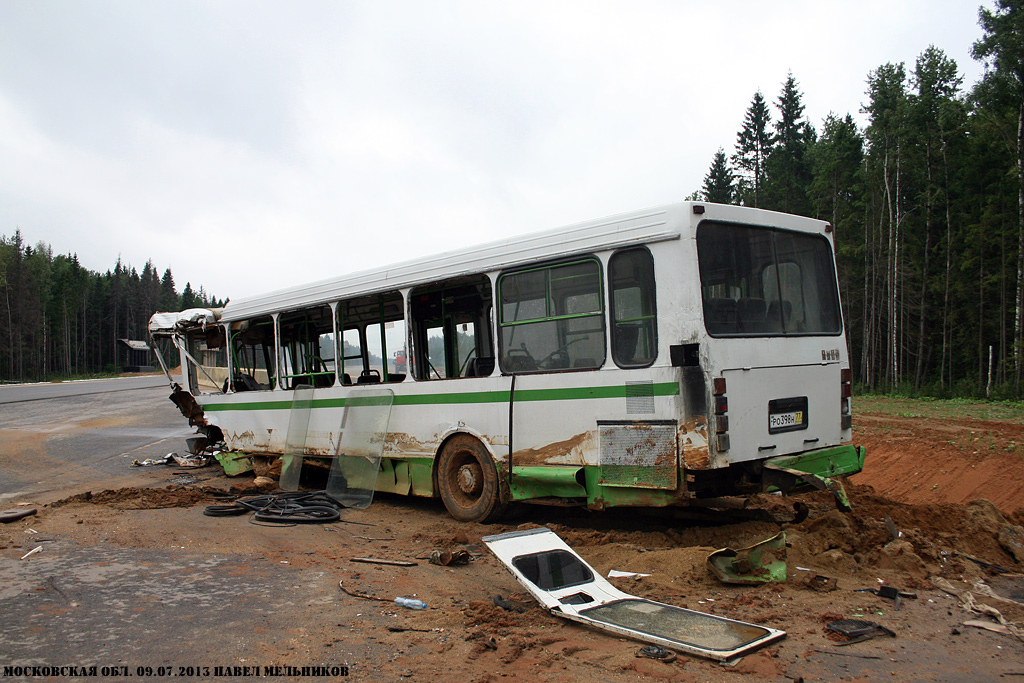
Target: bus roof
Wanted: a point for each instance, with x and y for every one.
(638, 227)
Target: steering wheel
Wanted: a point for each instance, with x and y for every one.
(559, 358)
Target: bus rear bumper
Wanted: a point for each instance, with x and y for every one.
(820, 469)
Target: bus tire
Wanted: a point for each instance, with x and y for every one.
(467, 480)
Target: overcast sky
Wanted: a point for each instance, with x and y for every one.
(254, 145)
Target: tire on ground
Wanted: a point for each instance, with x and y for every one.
(467, 480)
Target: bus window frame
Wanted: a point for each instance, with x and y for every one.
(600, 314)
(613, 322)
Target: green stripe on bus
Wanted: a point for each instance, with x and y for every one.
(558, 394)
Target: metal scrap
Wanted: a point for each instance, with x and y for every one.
(756, 564)
(450, 557)
(857, 630)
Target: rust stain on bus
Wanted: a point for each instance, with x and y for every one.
(567, 452)
(693, 443)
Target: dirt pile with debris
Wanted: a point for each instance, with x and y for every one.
(934, 549)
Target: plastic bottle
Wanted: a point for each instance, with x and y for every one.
(411, 603)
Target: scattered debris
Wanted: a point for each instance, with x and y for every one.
(756, 564)
(360, 595)
(891, 526)
(234, 464)
(377, 560)
(969, 603)
(822, 584)
(8, 516)
(150, 462)
(37, 549)
(447, 558)
(508, 606)
(306, 507)
(656, 652)
(858, 630)
(403, 629)
(889, 592)
(989, 626)
(982, 563)
(411, 603)
(616, 574)
(846, 654)
(190, 460)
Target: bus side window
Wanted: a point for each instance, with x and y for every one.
(207, 360)
(552, 318)
(252, 354)
(451, 331)
(634, 313)
(306, 336)
(373, 341)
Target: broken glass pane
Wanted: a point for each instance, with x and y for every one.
(676, 624)
(295, 441)
(363, 431)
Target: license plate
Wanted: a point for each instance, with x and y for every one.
(783, 420)
(787, 414)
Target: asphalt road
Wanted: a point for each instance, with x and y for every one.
(55, 437)
(134, 613)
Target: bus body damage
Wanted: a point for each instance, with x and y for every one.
(166, 332)
(686, 355)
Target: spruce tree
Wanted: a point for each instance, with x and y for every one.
(752, 145)
(719, 186)
(788, 172)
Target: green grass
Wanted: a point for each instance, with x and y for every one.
(940, 409)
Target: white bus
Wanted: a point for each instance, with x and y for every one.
(664, 357)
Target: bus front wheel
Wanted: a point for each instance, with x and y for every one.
(467, 480)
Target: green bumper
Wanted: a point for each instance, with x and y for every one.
(819, 469)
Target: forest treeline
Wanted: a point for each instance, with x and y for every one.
(60, 320)
(927, 202)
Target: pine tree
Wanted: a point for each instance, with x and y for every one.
(719, 186)
(752, 145)
(788, 172)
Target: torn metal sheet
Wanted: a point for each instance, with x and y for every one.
(568, 587)
(759, 563)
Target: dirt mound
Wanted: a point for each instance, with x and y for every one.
(915, 460)
(914, 541)
(143, 498)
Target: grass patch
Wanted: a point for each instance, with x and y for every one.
(940, 409)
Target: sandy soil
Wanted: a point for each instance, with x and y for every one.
(952, 492)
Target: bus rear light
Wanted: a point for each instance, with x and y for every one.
(721, 405)
(845, 392)
(721, 419)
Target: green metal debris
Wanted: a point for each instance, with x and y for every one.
(234, 464)
(760, 563)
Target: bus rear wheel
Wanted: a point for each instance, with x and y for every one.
(468, 481)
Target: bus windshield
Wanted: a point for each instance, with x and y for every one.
(763, 282)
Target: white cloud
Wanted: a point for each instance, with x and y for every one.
(254, 145)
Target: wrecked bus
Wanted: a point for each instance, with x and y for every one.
(664, 357)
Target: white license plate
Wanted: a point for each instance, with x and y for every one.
(781, 420)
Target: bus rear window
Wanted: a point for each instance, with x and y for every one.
(766, 283)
